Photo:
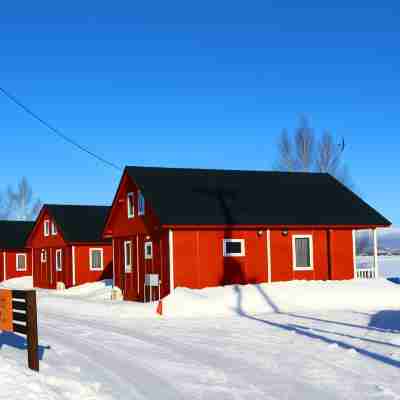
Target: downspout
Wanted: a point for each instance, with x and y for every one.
(269, 256)
(171, 261)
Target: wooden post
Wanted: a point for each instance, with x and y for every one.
(376, 266)
(32, 331)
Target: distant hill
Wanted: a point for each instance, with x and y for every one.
(388, 239)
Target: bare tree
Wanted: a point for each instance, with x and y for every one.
(304, 140)
(286, 161)
(305, 152)
(23, 206)
(5, 205)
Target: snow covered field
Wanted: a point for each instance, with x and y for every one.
(303, 340)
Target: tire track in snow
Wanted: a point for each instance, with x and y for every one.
(133, 381)
(229, 365)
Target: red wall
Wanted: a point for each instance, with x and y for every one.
(119, 225)
(82, 263)
(199, 261)
(45, 274)
(11, 268)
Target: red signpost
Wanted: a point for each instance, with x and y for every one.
(18, 313)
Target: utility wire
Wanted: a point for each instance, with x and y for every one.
(56, 131)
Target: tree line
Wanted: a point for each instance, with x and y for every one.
(19, 203)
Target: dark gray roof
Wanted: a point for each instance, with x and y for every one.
(13, 234)
(215, 197)
(79, 223)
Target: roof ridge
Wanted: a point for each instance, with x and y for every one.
(229, 170)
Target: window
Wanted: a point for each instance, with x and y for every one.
(141, 204)
(128, 256)
(53, 228)
(43, 256)
(21, 262)
(58, 260)
(233, 247)
(46, 227)
(302, 252)
(148, 250)
(131, 205)
(96, 259)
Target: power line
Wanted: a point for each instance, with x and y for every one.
(56, 131)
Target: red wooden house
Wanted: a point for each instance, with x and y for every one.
(15, 258)
(197, 228)
(68, 248)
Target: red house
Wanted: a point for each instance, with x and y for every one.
(197, 228)
(15, 258)
(68, 248)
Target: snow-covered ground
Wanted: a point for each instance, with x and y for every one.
(303, 340)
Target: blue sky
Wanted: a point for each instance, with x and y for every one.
(209, 84)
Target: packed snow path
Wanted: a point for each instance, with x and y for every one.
(332, 356)
(95, 349)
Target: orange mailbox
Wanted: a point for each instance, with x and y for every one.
(6, 311)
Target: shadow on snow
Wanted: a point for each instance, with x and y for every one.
(18, 342)
(382, 325)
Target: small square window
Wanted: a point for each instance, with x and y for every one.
(46, 227)
(53, 228)
(141, 204)
(148, 250)
(21, 262)
(43, 256)
(128, 256)
(130, 200)
(58, 260)
(233, 247)
(302, 252)
(96, 259)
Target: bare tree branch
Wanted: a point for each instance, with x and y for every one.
(286, 160)
(305, 146)
(21, 201)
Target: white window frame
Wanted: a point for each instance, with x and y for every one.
(53, 228)
(226, 254)
(46, 227)
(141, 203)
(59, 267)
(43, 252)
(130, 199)
(146, 245)
(295, 267)
(127, 267)
(91, 251)
(17, 268)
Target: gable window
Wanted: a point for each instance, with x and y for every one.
(148, 250)
(96, 259)
(128, 256)
(233, 247)
(43, 256)
(130, 198)
(21, 262)
(58, 260)
(302, 252)
(141, 204)
(46, 227)
(53, 228)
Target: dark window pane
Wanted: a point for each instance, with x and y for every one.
(233, 247)
(303, 258)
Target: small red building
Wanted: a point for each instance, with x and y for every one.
(196, 228)
(15, 258)
(68, 247)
